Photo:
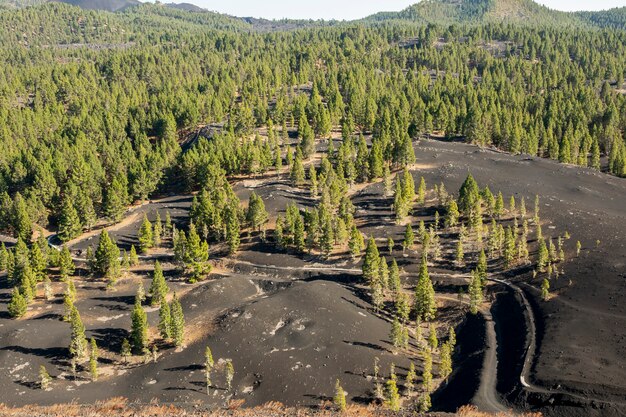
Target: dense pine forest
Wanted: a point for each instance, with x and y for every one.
(96, 104)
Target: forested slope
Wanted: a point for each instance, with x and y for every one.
(92, 101)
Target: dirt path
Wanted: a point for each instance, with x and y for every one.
(530, 353)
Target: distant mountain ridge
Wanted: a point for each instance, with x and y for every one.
(496, 11)
(446, 12)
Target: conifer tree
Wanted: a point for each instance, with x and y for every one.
(106, 262)
(421, 191)
(146, 236)
(208, 367)
(468, 194)
(424, 402)
(445, 365)
(165, 321)
(167, 228)
(139, 328)
(133, 258)
(78, 341)
(425, 306)
(44, 378)
(355, 243)
(433, 342)
(69, 222)
(481, 266)
(452, 214)
(578, 247)
(427, 375)
(18, 304)
(543, 256)
(297, 174)
(460, 254)
(230, 374)
(545, 290)
(383, 273)
(157, 231)
(340, 397)
(66, 264)
(409, 237)
(158, 287)
(410, 379)
(371, 261)
(396, 333)
(126, 350)
(177, 322)
(392, 397)
(256, 215)
(394, 277)
(475, 292)
(93, 360)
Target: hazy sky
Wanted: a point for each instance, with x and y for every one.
(351, 9)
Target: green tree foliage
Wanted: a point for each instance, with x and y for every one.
(146, 236)
(139, 328)
(78, 341)
(340, 397)
(177, 322)
(371, 261)
(69, 222)
(256, 215)
(392, 396)
(475, 292)
(18, 304)
(158, 287)
(106, 259)
(425, 305)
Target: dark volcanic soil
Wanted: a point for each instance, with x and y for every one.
(292, 331)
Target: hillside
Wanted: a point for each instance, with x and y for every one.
(495, 11)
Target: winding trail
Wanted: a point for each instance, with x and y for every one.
(530, 353)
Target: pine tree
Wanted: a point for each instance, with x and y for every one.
(139, 328)
(167, 229)
(452, 214)
(371, 261)
(396, 333)
(421, 191)
(543, 256)
(165, 321)
(133, 258)
(157, 231)
(409, 237)
(433, 342)
(392, 397)
(106, 262)
(78, 341)
(232, 232)
(146, 237)
(69, 222)
(410, 379)
(230, 374)
(545, 290)
(158, 287)
(425, 306)
(93, 360)
(66, 264)
(481, 267)
(208, 367)
(424, 402)
(459, 257)
(394, 277)
(18, 304)
(297, 174)
(340, 397)
(177, 322)
(38, 262)
(475, 292)
(256, 215)
(427, 375)
(468, 194)
(126, 351)
(44, 378)
(355, 243)
(578, 247)
(445, 365)
(22, 223)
